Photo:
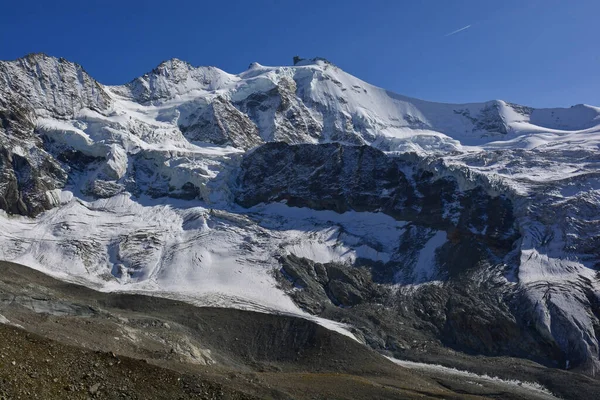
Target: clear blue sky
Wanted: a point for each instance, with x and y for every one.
(533, 52)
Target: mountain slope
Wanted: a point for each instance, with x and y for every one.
(474, 225)
(115, 345)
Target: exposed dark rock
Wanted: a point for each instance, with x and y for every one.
(188, 191)
(280, 115)
(341, 178)
(103, 189)
(27, 172)
(68, 348)
(489, 119)
(66, 87)
(221, 123)
(471, 310)
(462, 313)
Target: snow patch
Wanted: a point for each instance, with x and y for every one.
(426, 266)
(533, 389)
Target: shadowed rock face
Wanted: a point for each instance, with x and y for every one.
(474, 310)
(342, 178)
(37, 85)
(462, 313)
(26, 172)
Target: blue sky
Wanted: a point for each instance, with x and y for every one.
(540, 53)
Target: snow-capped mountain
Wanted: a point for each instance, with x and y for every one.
(302, 189)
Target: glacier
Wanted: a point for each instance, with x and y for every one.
(137, 187)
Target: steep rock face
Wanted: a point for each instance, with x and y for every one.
(220, 123)
(37, 85)
(464, 313)
(360, 178)
(474, 238)
(51, 86)
(279, 113)
(490, 119)
(27, 172)
(556, 266)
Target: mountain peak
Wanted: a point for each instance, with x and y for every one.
(171, 78)
(36, 56)
(171, 66)
(45, 82)
(255, 65)
(42, 59)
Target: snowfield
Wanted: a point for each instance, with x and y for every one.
(205, 256)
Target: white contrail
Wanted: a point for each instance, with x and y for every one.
(458, 30)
